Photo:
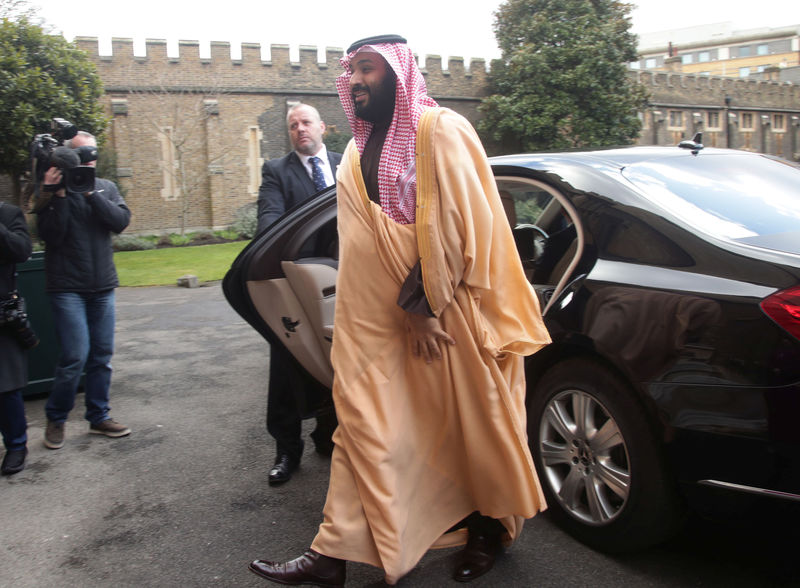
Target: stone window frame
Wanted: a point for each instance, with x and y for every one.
(710, 124)
(671, 116)
(170, 189)
(745, 118)
(254, 159)
(778, 123)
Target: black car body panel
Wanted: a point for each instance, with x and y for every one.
(731, 375)
(651, 290)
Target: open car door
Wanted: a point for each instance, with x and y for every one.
(284, 283)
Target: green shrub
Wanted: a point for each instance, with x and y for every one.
(178, 240)
(246, 220)
(132, 243)
(228, 235)
(201, 237)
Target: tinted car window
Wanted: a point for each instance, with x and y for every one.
(529, 200)
(750, 199)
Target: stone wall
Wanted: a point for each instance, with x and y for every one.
(226, 116)
(739, 113)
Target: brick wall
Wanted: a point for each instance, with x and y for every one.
(147, 93)
(227, 113)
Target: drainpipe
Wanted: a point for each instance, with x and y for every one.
(726, 113)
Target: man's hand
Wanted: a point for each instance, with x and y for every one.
(52, 178)
(424, 335)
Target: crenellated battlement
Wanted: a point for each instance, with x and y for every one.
(229, 115)
(122, 70)
(742, 93)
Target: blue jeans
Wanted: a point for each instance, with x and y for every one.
(85, 331)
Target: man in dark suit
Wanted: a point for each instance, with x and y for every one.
(289, 180)
(286, 182)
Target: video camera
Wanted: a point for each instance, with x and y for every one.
(14, 317)
(47, 150)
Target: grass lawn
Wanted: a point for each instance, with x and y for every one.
(163, 267)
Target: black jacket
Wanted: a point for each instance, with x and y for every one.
(15, 247)
(284, 185)
(76, 231)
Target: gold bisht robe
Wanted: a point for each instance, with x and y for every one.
(421, 446)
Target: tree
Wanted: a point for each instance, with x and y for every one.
(562, 80)
(193, 141)
(16, 9)
(42, 76)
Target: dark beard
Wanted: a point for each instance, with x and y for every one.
(380, 106)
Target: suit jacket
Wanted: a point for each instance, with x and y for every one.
(285, 184)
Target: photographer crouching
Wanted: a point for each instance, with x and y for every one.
(15, 338)
(80, 278)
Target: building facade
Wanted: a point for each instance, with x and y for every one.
(718, 50)
(190, 134)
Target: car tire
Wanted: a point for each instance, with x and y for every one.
(602, 473)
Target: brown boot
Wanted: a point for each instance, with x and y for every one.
(310, 568)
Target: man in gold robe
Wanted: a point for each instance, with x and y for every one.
(433, 319)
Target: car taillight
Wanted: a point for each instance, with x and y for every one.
(784, 308)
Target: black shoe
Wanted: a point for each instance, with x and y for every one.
(478, 556)
(282, 470)
(14, 461)
(310, 568)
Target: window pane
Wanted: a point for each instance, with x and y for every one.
(527, 200)
(748, 199)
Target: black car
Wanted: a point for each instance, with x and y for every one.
(669, 279)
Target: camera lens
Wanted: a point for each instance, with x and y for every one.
(79, 179)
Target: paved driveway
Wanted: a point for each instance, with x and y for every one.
(184, 501)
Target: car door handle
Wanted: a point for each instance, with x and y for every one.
(289, 324)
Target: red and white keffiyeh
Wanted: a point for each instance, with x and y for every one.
(397, 178)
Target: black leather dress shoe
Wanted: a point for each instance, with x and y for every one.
(14, 461)
(310, 568)
(282, 470)
(478, 556)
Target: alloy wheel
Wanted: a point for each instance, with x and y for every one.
(585, 457)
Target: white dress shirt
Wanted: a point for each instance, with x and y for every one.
(326, 165)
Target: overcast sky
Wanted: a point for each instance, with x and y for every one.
(441, 27)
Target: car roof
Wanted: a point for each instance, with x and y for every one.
(609, 158)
